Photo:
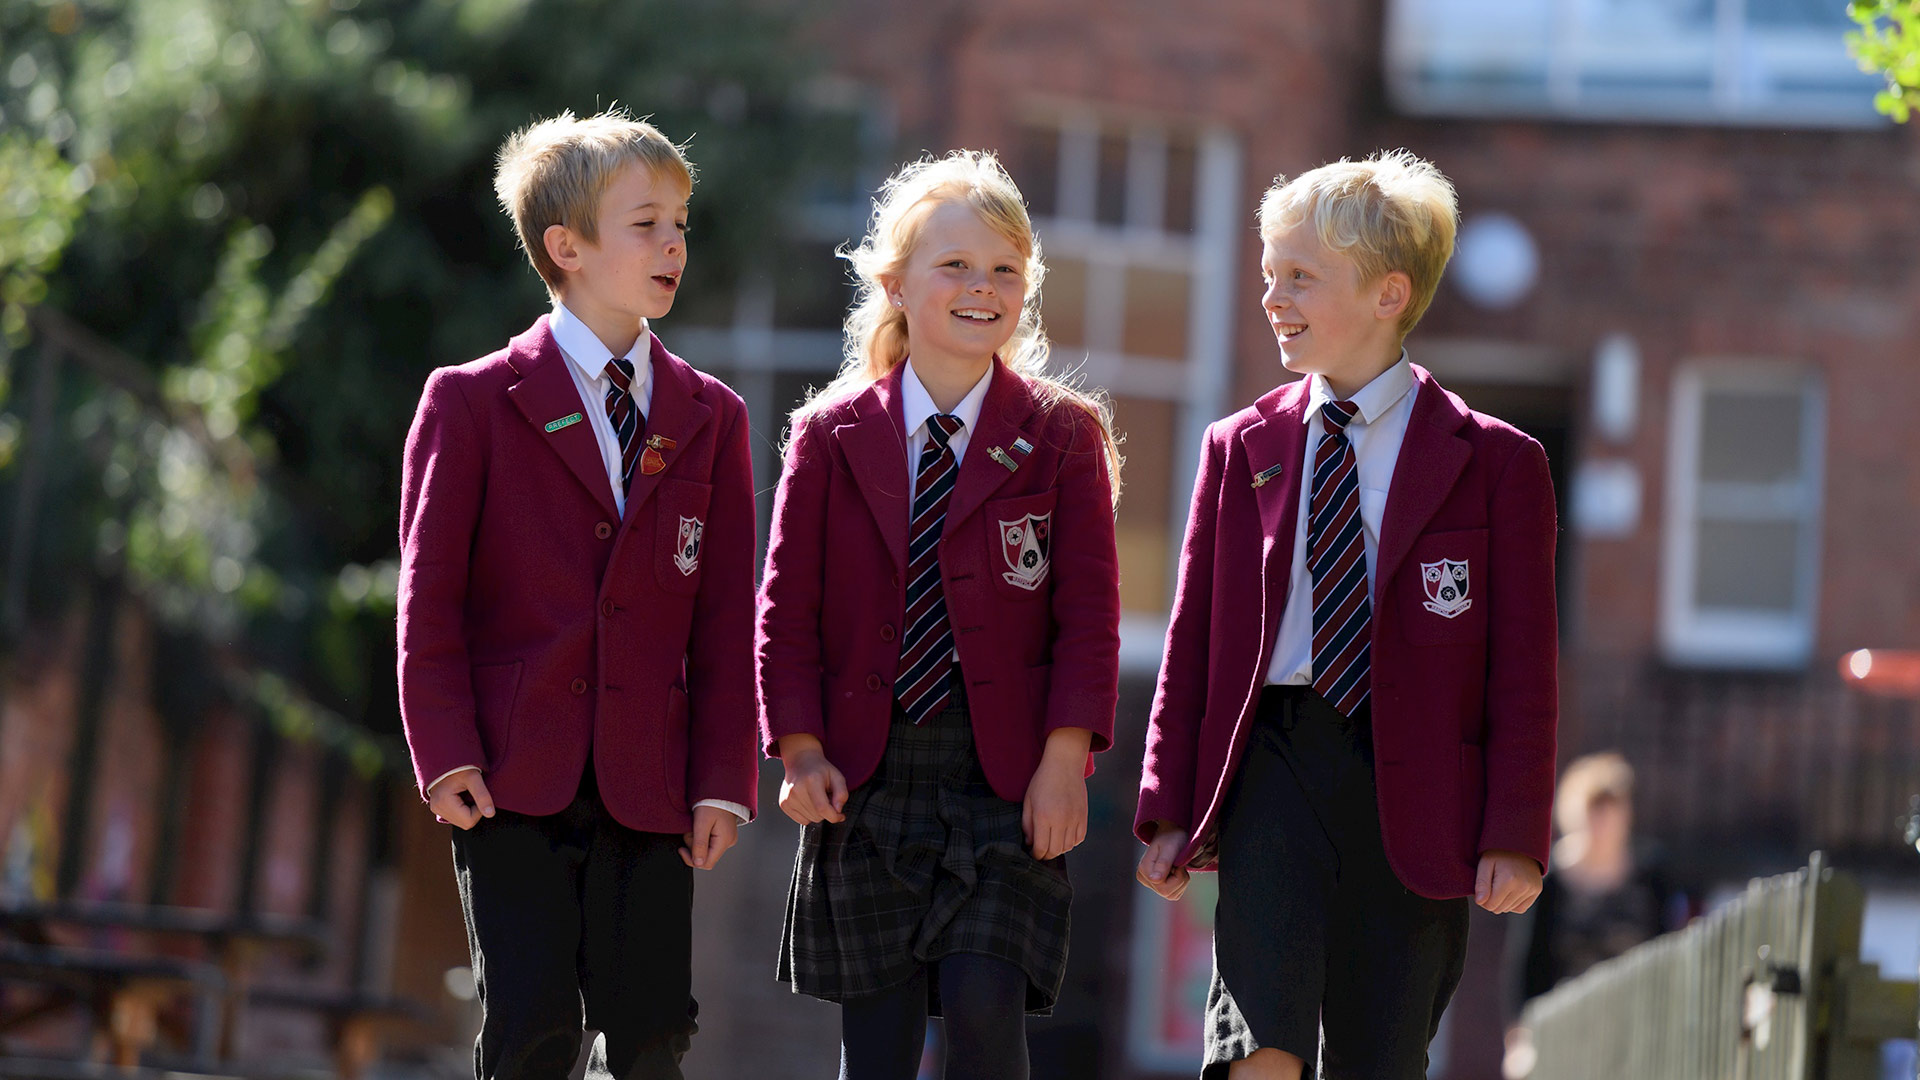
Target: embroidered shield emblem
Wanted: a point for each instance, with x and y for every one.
(1446, 585)
(686, 552)
(1025, 544)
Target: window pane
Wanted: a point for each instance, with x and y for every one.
(1038, 165)
(1183, 160)
(1748, 565)
(1750, 437)
(1063, 302)
(1111, 208)
(1156, 318)
(1146, 426)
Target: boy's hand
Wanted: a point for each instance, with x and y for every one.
(1156, 870)
(1508, 882)
(1054, 813)
(714, 831)
(445, 798)
(814, 790)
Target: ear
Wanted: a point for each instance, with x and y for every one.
(562, 247)
(890, 288)
(1395, 293)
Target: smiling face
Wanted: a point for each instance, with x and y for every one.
(962, 289)
(631, 269)
(1328, 321)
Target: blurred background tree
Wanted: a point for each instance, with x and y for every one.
(1888, 42)
(234, 237)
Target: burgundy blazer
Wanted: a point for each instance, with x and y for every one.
(1464, 704)
(536, 624)
(1038, 645)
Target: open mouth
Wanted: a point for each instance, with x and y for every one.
(1288, 331)
(668, 282)
(977, 315)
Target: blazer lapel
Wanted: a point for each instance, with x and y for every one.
(1007, 406)
(674, 417)
(1431, 460)
(547, 396)
(1278, 442)
(875, 448)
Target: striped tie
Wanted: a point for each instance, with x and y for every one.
(926, 649)
(628, 424)
(1337, 559)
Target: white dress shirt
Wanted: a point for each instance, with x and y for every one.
(587, 358)
(916, 407)
(1376, 432)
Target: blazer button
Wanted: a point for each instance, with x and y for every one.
(886, 632)
(579, 686)
(603, 530)
(873, 682)
(607, 608)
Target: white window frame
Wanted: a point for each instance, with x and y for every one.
(1200, 387)
(1732, 637)
(1566, 49)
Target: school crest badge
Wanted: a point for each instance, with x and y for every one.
(686, 552)
(1446, 585)
(1025, 544)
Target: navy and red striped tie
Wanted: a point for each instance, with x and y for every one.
(1337, 559)
(628, 424)
(926, 649)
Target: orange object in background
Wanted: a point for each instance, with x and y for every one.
(1892, 672)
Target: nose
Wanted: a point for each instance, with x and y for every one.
(1271, 299)
(982, 284)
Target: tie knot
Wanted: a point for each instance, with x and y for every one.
(942, 427)
(1338, 414)
(620, 370)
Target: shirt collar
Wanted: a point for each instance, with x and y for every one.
(588, 354)
(1372, 400)
(916, 405)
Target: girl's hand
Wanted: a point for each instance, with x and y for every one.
(814, 790)
(1054, 813)
(714, 831)
(1157, 871)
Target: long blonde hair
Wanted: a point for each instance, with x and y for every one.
(875, 338)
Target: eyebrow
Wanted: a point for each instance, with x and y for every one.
(651, 206)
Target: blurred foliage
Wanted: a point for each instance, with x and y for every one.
(266, 221)
(1888, 42)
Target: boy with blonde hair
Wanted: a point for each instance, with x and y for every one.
(1366, 738)
(576, 619)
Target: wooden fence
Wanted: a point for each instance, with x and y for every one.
(1769, 987)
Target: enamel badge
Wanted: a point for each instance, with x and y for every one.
(1446, 585)
(1025, 544)
(686, 552)
(564, 422)
(651, 460)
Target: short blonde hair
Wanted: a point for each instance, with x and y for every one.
(554, 172)
(1393, 211)
(1588, 780)
(875, 340)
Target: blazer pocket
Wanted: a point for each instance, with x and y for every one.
(682, 530)
(1442, 589)
(1020, 542)
(673, 759)
(495, 689)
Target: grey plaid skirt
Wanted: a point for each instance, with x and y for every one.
(928, 863)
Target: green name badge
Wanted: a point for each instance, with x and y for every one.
(565, 421)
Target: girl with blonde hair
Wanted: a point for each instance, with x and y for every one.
(939, 637)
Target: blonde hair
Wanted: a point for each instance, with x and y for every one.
(1587, 780)
(1393, 211)
(554, 172)
(875, 339)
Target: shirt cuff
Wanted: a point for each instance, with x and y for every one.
(450, 772)
(733, 808)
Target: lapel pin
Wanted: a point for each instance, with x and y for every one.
(1000, 456)
(1260, 478)
(564, 422)
(650, 460)
(1022, 447)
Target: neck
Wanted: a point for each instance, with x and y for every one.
(616, 330)
(949, 378)
(1354, 378)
